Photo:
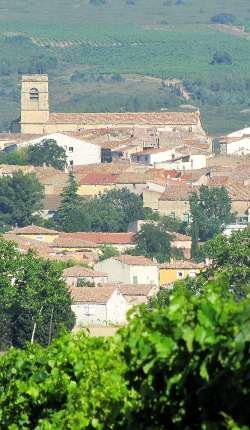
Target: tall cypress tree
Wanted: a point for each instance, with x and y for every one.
(72, 214)
(195, 254)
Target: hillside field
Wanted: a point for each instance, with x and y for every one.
(97, 53)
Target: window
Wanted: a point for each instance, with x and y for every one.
(39, 238)
(135, 280)
(172, 215)
(71, 149)
(180, 275)
(71, 162)
(186, 217)
(34, 94)
(190, 129)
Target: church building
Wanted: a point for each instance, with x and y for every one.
(36, 117)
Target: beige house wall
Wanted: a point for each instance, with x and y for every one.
(170, 207)
(241, 207)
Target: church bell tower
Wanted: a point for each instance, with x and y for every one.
(34, 104)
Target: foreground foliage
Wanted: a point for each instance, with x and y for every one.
(20, 197)
(35, 303)
(184, 366)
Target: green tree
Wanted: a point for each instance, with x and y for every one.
(18, 157)
(108, 251)
(180, 366)
(20, 198)
(72, 214)
(173, 224)
(114, 210)
(47, 152)
(153, 242)
(210, 209)
(35, 303)
(195, 252)
(229, 259)
(188, 362)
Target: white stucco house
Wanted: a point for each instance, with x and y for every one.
(74, 275)
(129, 269)
(184, 162)
(78, 151)
(150, 156)
(99, 306)
(236, 143)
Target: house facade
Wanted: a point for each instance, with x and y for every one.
(179, 270)
(100, 306)
(129, 269)
(79, 274)
(78, 152)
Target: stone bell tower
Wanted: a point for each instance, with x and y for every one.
(34, 104)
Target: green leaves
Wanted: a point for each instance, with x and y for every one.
(184, 365)
(31, 290)
(47, 152)
(20, 196)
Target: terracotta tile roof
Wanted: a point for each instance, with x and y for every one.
(135, 260)
(66, 240)
(238, 192)
(92, 294)
(79, 271)
(102, 238)
(132, 178)
(178, 192)
(98, 179)
(182, 264)
(24, 245)
(147, 118)
(181, 237)
(219, 180)
(136, 290)
(33, 229)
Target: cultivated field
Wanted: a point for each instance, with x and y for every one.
(86, 45)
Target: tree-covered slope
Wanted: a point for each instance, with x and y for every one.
(84, 44)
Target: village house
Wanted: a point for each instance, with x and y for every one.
(184, 161)
(121, 241)
(92, 184)
(77, 275)
(34, 232)
(78, 151)
(99, 306)
(178, 270)
(138, 294)
(151, 156)
(174, 201)
(129, 269)
(236, 143)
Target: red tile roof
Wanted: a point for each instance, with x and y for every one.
(238, 192)
(178, 192)
(33, 229)
(79, 271)
(142, 118)
(178, 237)
(182, 264)
(136, 290)
(104, 238)
(98, 179)
(135, 260)
(66, 240)
(97, 295)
